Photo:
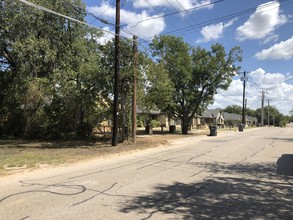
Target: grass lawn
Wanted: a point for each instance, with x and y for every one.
(18, 155)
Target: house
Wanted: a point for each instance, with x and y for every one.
(232, 119)
(235, 119)
(148, 115)
(210, 116)
(251, 121)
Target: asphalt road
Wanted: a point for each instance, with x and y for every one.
(236, 175)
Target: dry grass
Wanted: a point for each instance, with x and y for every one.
(17, 155)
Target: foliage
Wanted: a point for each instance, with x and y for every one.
(140, 123)
(290, 118)
(51, 83)
(159, 87)
(154, 123)
(236, 109)
(195, 73)
(276, 118)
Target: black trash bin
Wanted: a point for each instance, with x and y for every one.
(240, 128)
(172, 129)
(213, 130)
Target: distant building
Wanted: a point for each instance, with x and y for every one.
(212, 116)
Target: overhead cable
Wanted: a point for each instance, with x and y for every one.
(223, 18)
(61, 15)
(203, 29)
(176, 12)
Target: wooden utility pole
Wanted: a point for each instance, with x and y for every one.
(135, 60)
(243, 103)
(262, 106)
(268, 112)
(116, 78)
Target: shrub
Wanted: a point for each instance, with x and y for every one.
(140, 123)
(155, 123)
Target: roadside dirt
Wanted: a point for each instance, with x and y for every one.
(19, 156)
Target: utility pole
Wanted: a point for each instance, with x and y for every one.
(243, 104)
(245, 109)
(262, 106)
(268, 112)
(116, 77)
(135, 56)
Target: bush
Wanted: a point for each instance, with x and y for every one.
(140, 123)
(155, 123)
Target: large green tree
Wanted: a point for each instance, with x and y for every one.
(236, 109)
(195, 73)
(125, 79)
(275, 117)
(51, 80)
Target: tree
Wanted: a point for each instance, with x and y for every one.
(52, 59)
(236, 109)
(125, 79)
(158, 86)
(276, 118)
(195, 73)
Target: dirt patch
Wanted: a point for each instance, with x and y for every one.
(18, 156)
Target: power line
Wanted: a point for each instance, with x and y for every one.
(223, 18)
(42, 8)
(158, 12)
(109, 6)
(78, 9)
(195, 21)
(84, 23)
(176, 12)
(270, 84)
(237, 100)
(70, 18)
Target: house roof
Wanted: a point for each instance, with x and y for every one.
(250, 118)
(237, 117)
(231, 116)
(146, 111)
(211, 113)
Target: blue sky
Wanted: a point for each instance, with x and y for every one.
(263, 29)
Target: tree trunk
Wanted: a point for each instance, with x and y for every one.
(185, 124)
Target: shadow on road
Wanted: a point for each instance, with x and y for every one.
(283, 139)
(285, 165)
(246, 191)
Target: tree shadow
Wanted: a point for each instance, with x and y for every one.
(283, 139)
(285, 165)
(246, 191)
(54, 144)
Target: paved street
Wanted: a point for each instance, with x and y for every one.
(232, 176)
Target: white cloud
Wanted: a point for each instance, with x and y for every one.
(274, 84)
(266, 80)
(149, 28)
(214, 31)
(282, 50)
(106, 36)
(272, 38)
(186, 4)
(104, 9)
(262, 23)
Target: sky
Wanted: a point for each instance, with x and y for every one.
(263, 29)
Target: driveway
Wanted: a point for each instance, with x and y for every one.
(235, 175)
